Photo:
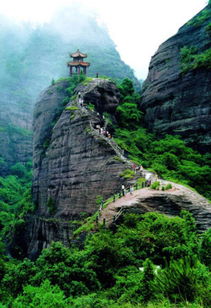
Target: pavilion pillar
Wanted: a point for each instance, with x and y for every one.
(78, 70)
(71, 70)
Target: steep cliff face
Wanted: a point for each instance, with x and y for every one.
(73, 163)
(176, 93)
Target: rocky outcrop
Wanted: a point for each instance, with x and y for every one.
(31, 57)
(169, 202)
(177, 100)
(73, 163)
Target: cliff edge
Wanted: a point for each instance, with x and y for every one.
(73, 162)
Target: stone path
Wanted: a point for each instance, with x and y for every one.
(175, 199)
(169, 202)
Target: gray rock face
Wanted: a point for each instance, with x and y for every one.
(175, 102)
(103, 94)
(76, 163)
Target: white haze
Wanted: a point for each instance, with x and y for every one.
(137, 27)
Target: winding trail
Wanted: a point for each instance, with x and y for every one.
(169, 202)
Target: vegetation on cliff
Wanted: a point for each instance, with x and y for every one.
(169, 156)
(191, 60)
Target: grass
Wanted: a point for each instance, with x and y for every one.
(71, 108)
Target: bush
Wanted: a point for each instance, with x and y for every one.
(45, 296)
(183, 280)
(127, 174)
(205, 248)
(155, 185)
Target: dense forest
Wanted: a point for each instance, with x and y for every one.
(148, 260)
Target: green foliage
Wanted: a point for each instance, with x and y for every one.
(73, 82)
(17, 130)
(127, 174)
(15, 202)
(67, 269)
(208, 29)
(168, 186)
(155, 185)
(205, 248)
(126, 87)
(51, 205)
(72, 108)
(203, 16)
(169, 157)
(128, 112)
(184, 280)
(191, 60)
(118, 266)
(148, 277)
(91, 106)
(106, 255)
(99, 199)
(23, 273)
(45, 296)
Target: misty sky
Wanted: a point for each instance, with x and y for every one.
(137, 27)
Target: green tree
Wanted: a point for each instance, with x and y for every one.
(45, 296)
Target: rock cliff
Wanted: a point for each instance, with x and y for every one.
(176, 93)
(73, 162)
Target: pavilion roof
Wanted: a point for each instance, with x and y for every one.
(78, 54)
(75, 63)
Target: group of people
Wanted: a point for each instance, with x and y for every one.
(80, 99)
(137, 168)
(103, 132)
(124, 190)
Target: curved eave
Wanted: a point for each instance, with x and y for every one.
(78, 55)
(78, 64)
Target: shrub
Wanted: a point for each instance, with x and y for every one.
(127, 174)
(155, 185)
(183, 280)
(72, 108)
(205, 248)
(45, 296)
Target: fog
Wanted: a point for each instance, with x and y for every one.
(31, 56)
(135, 25)
(35, 51)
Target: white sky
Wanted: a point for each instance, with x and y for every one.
(134, 25)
